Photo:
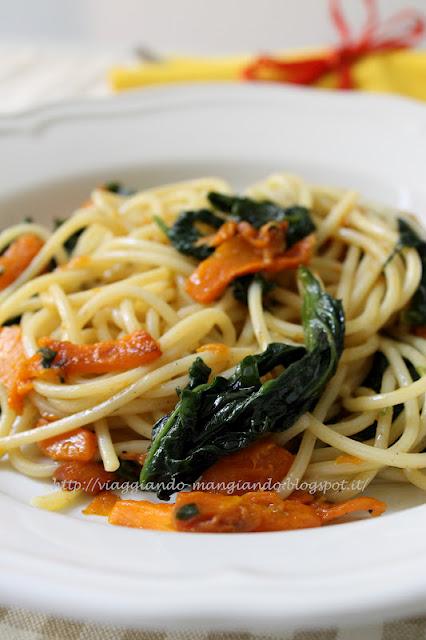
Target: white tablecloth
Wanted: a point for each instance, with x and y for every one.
(34, 75)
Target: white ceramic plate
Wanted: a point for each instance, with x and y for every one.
(50, 159)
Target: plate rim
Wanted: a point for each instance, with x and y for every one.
(45, 114)
(232, 611)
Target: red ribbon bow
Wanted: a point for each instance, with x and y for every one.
(401, 31)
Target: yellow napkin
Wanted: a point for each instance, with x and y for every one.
(402, 72)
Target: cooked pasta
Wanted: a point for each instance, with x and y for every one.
(110, 311)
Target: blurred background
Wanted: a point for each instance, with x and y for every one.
(53, 49)
(184, 26)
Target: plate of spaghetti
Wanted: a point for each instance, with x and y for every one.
(206, 337)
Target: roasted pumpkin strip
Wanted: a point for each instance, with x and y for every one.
(91, 477)
(329, 512)
(259, 511)
(141, 514)
(16, 370)
(17, 257)
(200, 512)
(237, 257)
(56, 358)
(79, 444)
(226, 231)
(131, 351)
(12, 366)
(270, 238)
(257, 467)
(102, 504)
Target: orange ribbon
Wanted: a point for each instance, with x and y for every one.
(401, 31)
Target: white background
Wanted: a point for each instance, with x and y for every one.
(204, 26)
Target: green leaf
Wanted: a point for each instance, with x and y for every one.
(240, 286)
(129, 470)
(378, 367)
(185, 236)
(199, 373)
(373, 380)
(260, 213)
(407, 236)
(71, 242)
(213, 419)
(415, 313)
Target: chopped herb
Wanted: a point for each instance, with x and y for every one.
(187, 512)
(47, 357)
(118, 188)
(28, 219)
(213, 419)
